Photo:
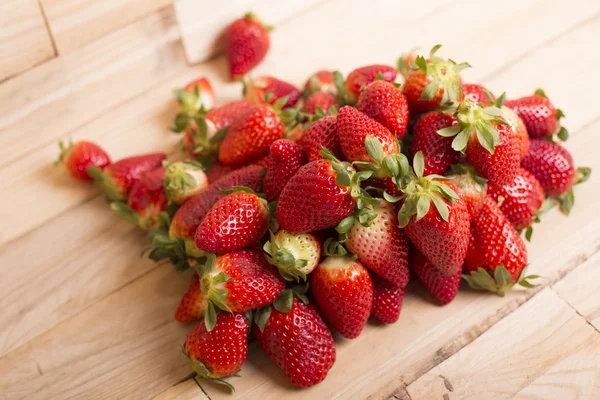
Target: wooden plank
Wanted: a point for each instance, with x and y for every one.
(542, 347)
(24, 39)
(75, 23)
(188, 390)
(201, 26)
(581, 289)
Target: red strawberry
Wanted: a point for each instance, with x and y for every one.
(477, 94)
(353, 128)
(246, 44)
(519, 130)
(267, 90)
(220, 352)
(183, 180)
(538, 114)
(195, 99)
(322, 133)
(205, 93)
(224, 116)
(147, 201)
(117, 179)
(295, 254)
(382, 246)
(552, 165)
(386, 104)
(433, 82)
(296, 134)
(437, 150)
(316, 100)
(497, 255)
(234, 222)
(218, 170)
(320, 81)
(361, 77)
(80, 156)
(299, 342)
(405, 61)
(443, 288)
(343, 291)
(387, 300)
(471, 190)
(235, 282)
(251, 135)
(285, 159)
(520, 199)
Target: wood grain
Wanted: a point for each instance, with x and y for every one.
(75, 23)
(188, 390)
(542, 347)
(24, 39)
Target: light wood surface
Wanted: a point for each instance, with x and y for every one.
(24, 39)
(83, 316)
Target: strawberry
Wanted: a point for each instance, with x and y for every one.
(386, 104)
(298, 341)
(220, 352)
(239, 281)
(267, 90)
(470, 187)
(382, 247)
(194, 99)
(295, 254)
(497, 255)
(520, 199)
(78, 157)
(246, 44)
(354, 126)
(234, 222)
(183, 180)
(405, 61)
(361, 77)
(477, 94)
(218, 170)
(437, 150)
(320, 81)
(539, 115)
(318, 100)
(442, 232)
(432, 83)
(251, 135)
(286, 157)
(488, 140)
(443, 288)
(343, 291)
(322, 133)
(146, 203)
(387, 300)
(519, 130)
(117, 179)
(296, 134)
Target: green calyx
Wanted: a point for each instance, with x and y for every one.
(192, 108)
(157, 221)
(290, 268)
(500, 283)
(183, 179)
(283, 303)
(64, 150)
(419, 192)
(182, 253)
(103, 180)
(212, 287)
(202, 371)
(333, 248)
(443, 73)
(473, 119)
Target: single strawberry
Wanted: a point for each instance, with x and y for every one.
(79, 156)
(437, 150)
(183, 180)
(295, 254)
(433, 82)
(234, 222)
(194, 99)
(117, 179)
(146, 203)
(220, 352)
(387, 300)
(520, 199)
(246, 44)
(361, 77)
(497, 254)
(318, 100)
(297, 340)
(386, 104)
(286, 157)
(470, 187)
(443, 288)
(268, 89)
(539, 115)
(322, 133)
(343, 290)
(354, 126)
(519, 130)
(477, 94)
(251, 135)
(218, 170)
(382, 246)
(237, 282)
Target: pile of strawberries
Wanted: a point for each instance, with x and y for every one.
(305, 211)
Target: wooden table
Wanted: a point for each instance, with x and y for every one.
(83, 316)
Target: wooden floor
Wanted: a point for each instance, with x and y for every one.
(83, 316)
